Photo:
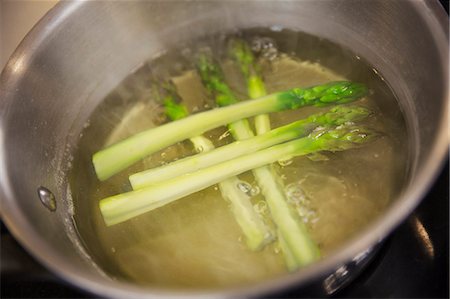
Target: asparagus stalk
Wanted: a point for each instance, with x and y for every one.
(273, 186)
(244, 57)
(256, 232)
(335, 116)
(123, 154)
(122, 207)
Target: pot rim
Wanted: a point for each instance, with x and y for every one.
(24, 232)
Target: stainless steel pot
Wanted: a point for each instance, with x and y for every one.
(81, 50)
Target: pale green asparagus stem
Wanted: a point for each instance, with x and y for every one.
(256, 232)
(335, 116)
(243, 55)
(123, 154)
(289, 259)
(271, 185)
(124, 206)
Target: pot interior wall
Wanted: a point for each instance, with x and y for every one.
(81, 51)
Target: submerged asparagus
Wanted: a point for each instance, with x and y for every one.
(255, 231)
(125, 206)
(123, 154)
(335, 116)
(273, 188)
(243, 55)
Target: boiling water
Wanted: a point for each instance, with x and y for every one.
(195, 242)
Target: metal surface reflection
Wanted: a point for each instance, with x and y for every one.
(346, 273)
(423, 237)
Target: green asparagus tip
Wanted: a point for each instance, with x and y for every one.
(173, 110)
(166, 94)
(208, 69)
(323, 95)
(241, 52)
(339, 115)
(340, 92)
(214, 80)
(343, 137)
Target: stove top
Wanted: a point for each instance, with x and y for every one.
(412, 263)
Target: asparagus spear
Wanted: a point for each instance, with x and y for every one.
(256, 232)
(335, 116)
(273, 190)
(119, 156)
(244, 57)
(122, 207)
(270, 184)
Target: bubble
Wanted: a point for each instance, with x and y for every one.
(297, 198)
(276, 28)
(261, 207)
(266, 47)
(285, 162)
(277, 249)
(254, 191)
(295, 194)
(199, 149)
(244, 187)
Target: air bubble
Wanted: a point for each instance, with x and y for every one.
(277, 250)
(276, 28)
(254, 191)
(297, 198)
(199, 149)
(295, 194)
(244, 187)
(261, 207)
(266, 47)
(86, 124)
(285, 162)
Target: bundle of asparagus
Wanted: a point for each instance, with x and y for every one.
(333, 130)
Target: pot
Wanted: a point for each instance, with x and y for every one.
(80, 51)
